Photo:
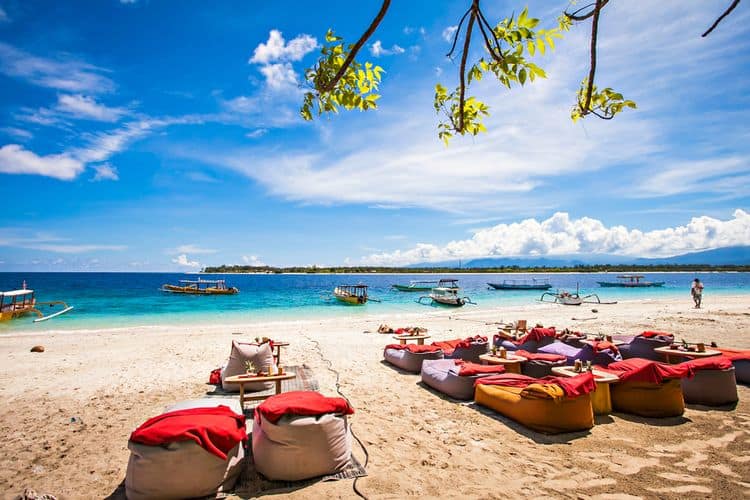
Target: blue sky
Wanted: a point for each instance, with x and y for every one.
(152, 135)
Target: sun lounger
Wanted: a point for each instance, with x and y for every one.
(643, 345)
(455, 380)
(468, 349)
(193, 450)
(300, 435)
(550, 405)
(409, 357)
(600, 356)
(261, 357)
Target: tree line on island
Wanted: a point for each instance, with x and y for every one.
(597, 268)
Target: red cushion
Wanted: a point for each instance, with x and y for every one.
(710, 363)
(646, 370)
(540, 356)
(303, 403)
(470, 369)
(571, 386)
(415, 348)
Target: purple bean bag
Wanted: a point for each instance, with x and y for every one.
(442, 375)
(643, 347)
(529, 345)
(584, 354)
(409, 361)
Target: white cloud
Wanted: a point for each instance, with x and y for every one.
(63, 74)
(561, 235)
(49, 242)
(408, 30)
(253, 260)
(105, 171)
(193, 249)
(182, 260)
(277, 49)
(448, 33)
(279, 76)
(80, 106)
(377, 50)
(14, 159)
(17, 132)
(3, 16)
(258, 132)
(689, 176)
(128, 1)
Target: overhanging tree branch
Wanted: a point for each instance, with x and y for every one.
(735, 3)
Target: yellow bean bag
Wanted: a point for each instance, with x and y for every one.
(649, 399)
(543, 408)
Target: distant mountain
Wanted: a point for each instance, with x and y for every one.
(716, 257)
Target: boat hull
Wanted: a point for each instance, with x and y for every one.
(503, 286)
(350, 300)
(407, 288)
(643, 284)
(9, 315)
(204, 291)
(449, 301)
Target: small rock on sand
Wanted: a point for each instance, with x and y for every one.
(37, 348)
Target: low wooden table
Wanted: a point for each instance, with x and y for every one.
(511, 362)
(241, 380)
(674, 355)
(403, 339)
(601, 398)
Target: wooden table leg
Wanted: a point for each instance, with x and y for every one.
(242, 396)
(278, 387)
(513, 368)
(420, 341)
(278, 355)
(402, 341)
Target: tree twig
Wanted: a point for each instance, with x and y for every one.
(462, 89)
(458, 32)
(573, 16)
(721, 17)
(357, 46)
(592, 68)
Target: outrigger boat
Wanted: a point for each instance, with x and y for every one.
(630, 281)
(415, 286)
(447, 295)
(532, 284)
(351, 294)
(201, 287)
(16, 303)
(571, 299)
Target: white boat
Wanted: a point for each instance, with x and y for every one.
(447, 295)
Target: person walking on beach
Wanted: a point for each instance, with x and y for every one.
(697, 292)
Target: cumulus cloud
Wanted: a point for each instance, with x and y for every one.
(561, 235)
(279, 75)
(448, 33)
(105, 172)
(182, 260)
(277, 49)
(253, 260)
(80, 106)
(377, 49)
(14, 159)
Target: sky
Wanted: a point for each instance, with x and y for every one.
(146, 135)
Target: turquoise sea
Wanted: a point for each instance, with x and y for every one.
(113, 300)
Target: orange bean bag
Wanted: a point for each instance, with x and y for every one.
(541, 405)
(648, 399)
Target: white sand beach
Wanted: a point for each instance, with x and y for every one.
(67, 412)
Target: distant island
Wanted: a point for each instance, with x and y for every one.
(597, 268)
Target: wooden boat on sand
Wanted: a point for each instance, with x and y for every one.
(351, 294)
(201, 287)
(17, 303)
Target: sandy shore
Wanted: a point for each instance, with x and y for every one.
(67, 413)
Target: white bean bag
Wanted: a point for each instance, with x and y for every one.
(298, 447)
(410, 358)
(443, 375)
(261, 357)
(711, 387)
(182, 469)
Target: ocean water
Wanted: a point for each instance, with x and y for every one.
(114, 300)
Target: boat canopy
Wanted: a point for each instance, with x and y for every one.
(215, 282)
(631, 276)
(16, 293)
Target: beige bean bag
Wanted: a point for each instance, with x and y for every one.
(183, 468)
(409, 357)
(261, 357)
(713, 384)
(300, 435)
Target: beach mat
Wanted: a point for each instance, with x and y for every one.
(251, 483)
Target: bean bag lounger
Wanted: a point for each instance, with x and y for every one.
(713, 383)
(454, 377)
(550, 405)
(648, 388)
(740, 360)
(539, 364)
(300, 435)
(409, 357)
(194, 451)
(643, 345)
(533, 340)
(261, 355)
(602, 353)
(574, 339)
(468, 349)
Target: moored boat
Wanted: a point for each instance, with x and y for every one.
(351, 294)
(415, 286)
(532, 284)
(17, 303)
(630, 281)
(447, 293)
(201, 287)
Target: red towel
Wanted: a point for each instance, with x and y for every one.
(650, 334)
(217, 430)
(448, 346)
(537, 334)
(469, 369)
(303, 403)
(415, 348)
(215, 377)
(539, 356)
(646, 370)
(603, 345)
(571, 386)
(710, 363)
(733, 354)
